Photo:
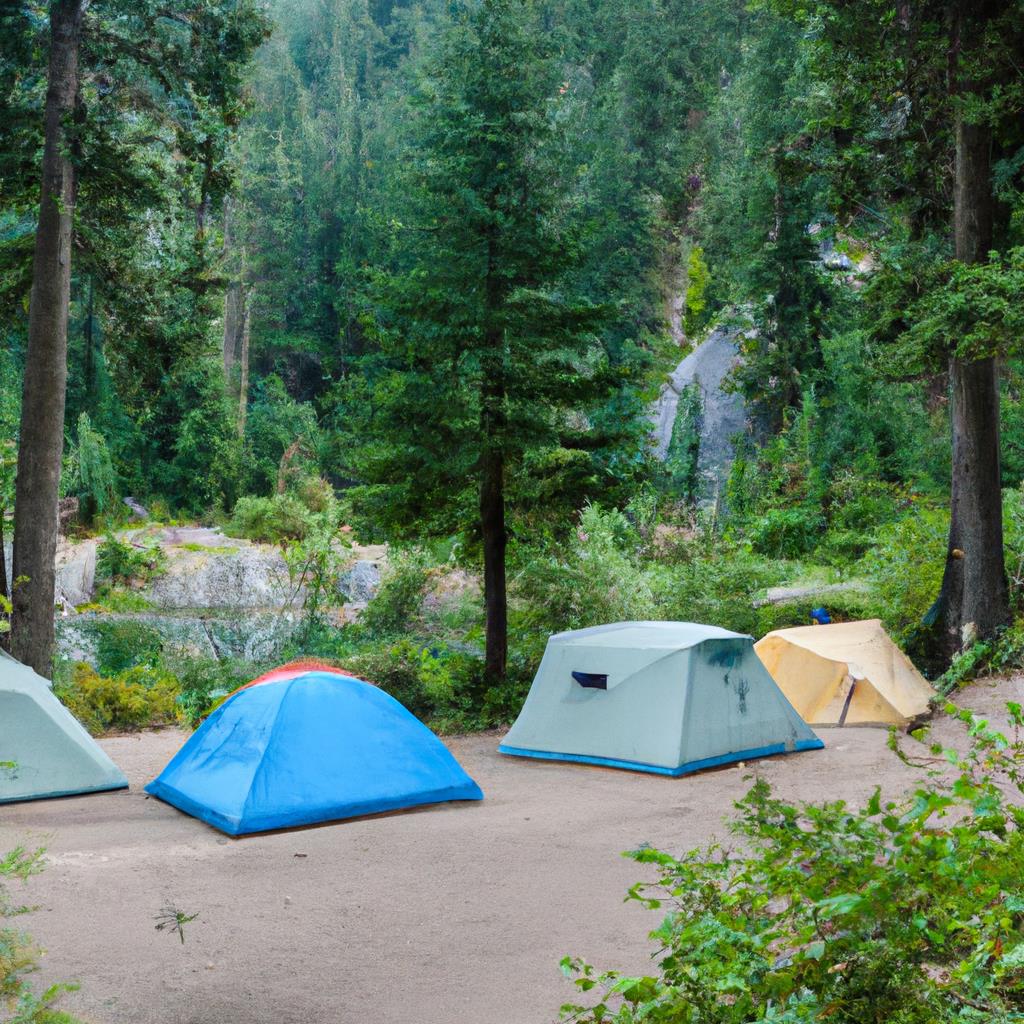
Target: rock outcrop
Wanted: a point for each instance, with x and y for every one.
(218, 596)
(723, 414)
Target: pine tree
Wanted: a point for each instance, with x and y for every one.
(485, 364)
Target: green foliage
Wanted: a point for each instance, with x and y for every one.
(594, 577)
(270, 520)
(315, 565)
(697, 279)
(159, 97)
(19, 956)
(125, 563)
(136, 698)
(93, 477)
(400, 595)
(205, 682)
(276, 423)
(681, 459)
(787, 532)
(124, 643)
(971, 310)
(908, 911)
(444, 687)
(905, 569)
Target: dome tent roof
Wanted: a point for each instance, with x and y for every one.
(304, 745)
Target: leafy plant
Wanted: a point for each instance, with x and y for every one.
(173, 921)
(273, 520)
(121, 562)
(903, 912)
(93, 477)
(134, 699)
(402, 589)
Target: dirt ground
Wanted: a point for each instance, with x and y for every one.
(456, 914)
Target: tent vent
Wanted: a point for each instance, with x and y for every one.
(591, 680)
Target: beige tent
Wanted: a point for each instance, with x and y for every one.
(848, 673)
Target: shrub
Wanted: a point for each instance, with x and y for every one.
(409, 672)
(399, 599)
(134, 699)
(270, 520)
(205, 682)
(787, 532)
(122, 645)
(591, 580)
(93, 478)
(122, 562)
(905, 912)
(1003, 652)
(905, 568)
(439, 685)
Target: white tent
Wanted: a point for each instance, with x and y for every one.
(44, 751)
(665, 697)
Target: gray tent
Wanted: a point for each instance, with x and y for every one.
(44, 751)
(665, 697)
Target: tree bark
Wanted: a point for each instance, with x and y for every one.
(234, 305)
(493, 532)
(5, 637)
(243, 363)
(495, 540)
(974, 598)
(42, 417)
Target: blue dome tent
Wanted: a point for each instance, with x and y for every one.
(306, 744)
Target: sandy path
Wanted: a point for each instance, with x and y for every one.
(452, 915)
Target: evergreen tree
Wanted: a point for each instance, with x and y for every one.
(485, 364)
(123, 81)
(924, 103)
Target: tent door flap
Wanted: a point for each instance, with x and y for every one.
(591, 680)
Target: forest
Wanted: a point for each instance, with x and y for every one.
(403, 285)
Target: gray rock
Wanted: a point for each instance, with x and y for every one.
(137, 509)
(256, 637)
(360, 582)
(724, 415)
(225, 576)
(76, 573)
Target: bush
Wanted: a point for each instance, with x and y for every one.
(134, 699)
(594, 578)
(119, 562)
(904, 569)
(122, 645)
(787, 532)
(205, 682)
(399, 599)
(443, 687)
(270, 520)
(92, 478)
(906, 912)
(717, 587)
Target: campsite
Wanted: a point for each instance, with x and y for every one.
(511, 510)
(428, 916)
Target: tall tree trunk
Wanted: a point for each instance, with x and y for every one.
(243, 363)
(974, 597)
(42, 416)
(4, 592)
(5, 637)
(234, 304)
(495, 539)
(493, 532)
